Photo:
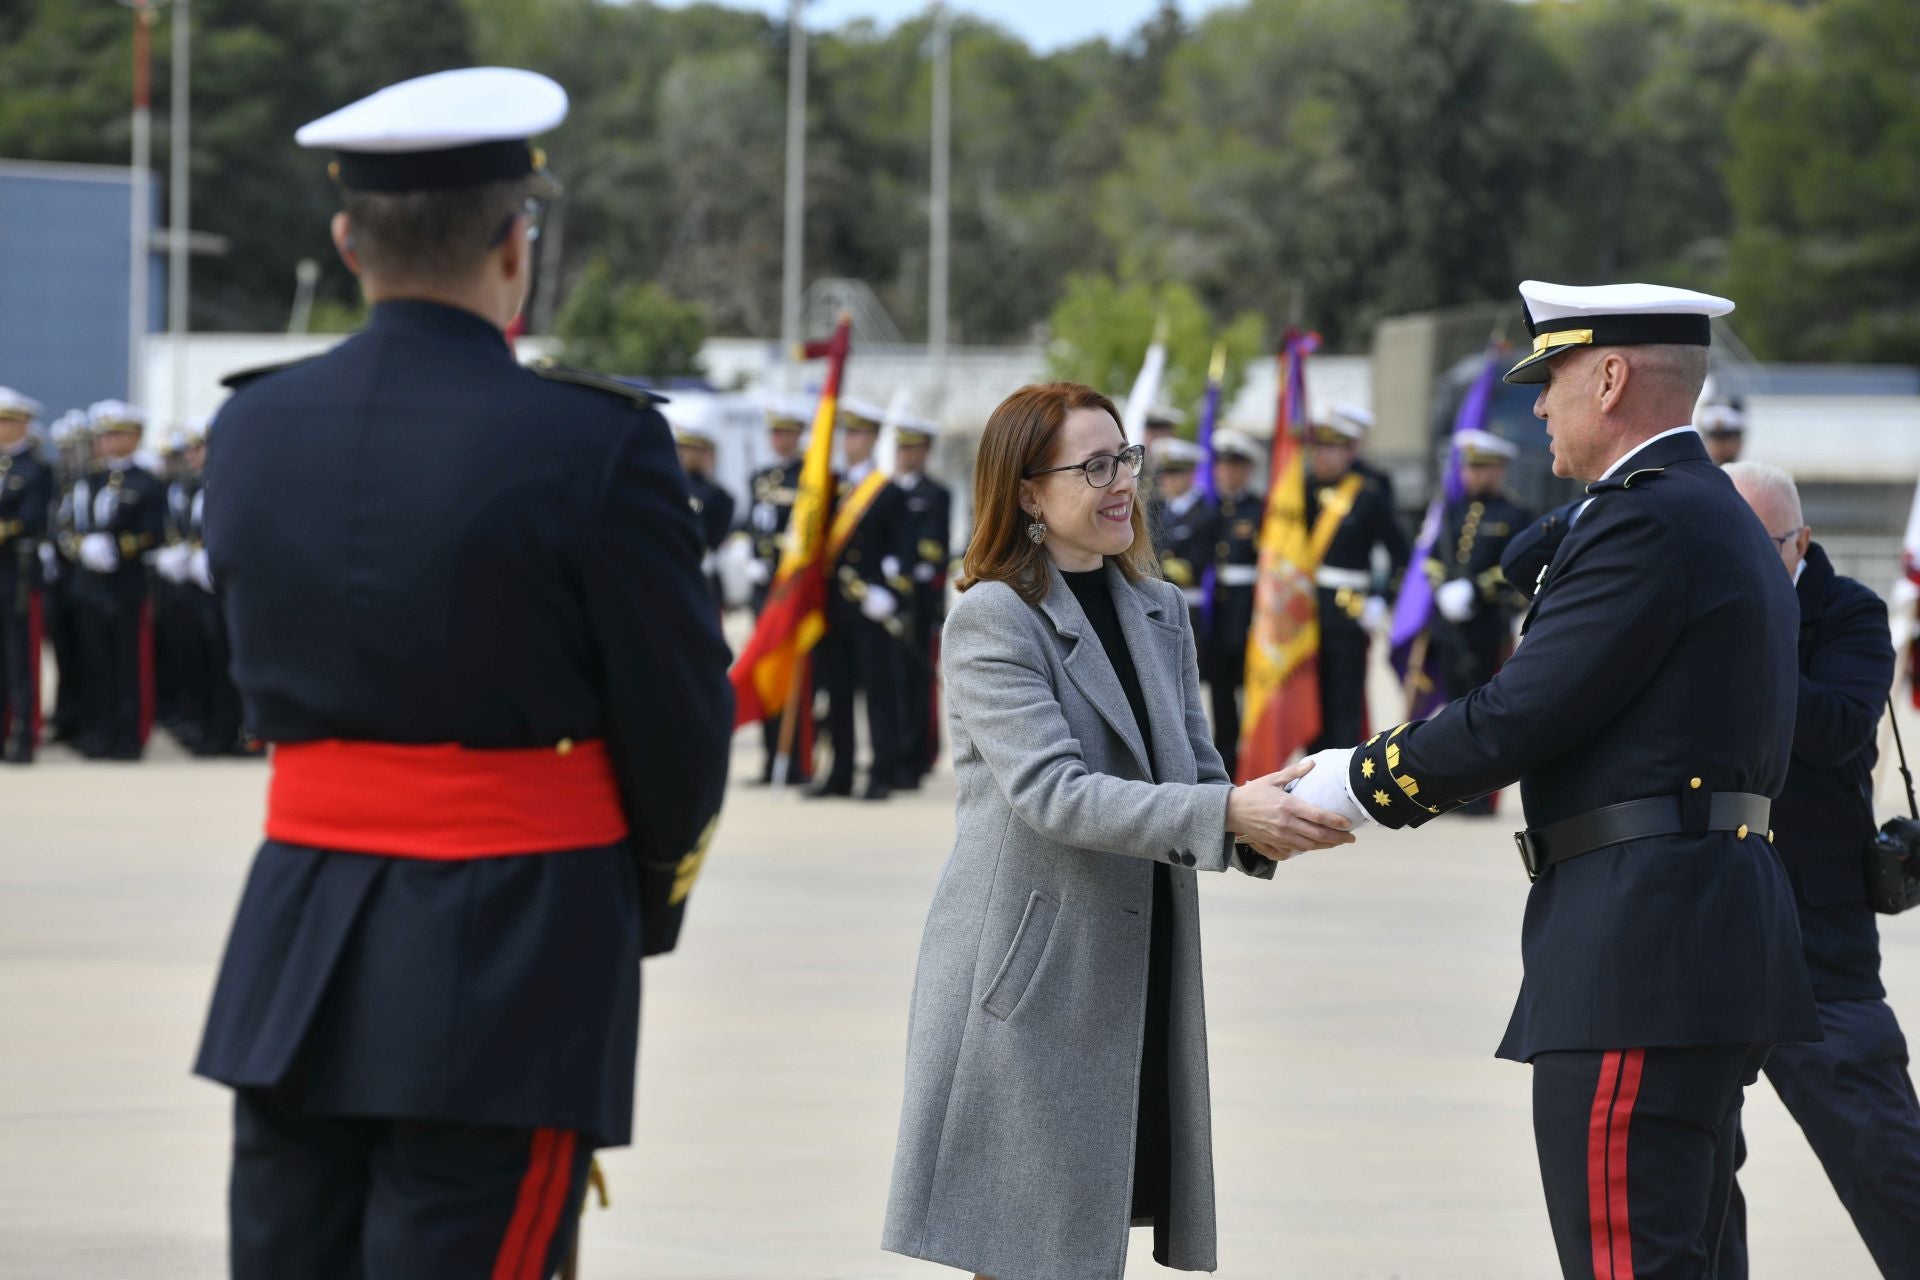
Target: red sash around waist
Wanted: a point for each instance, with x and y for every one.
(442, 800)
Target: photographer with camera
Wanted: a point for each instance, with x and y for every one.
(1850, 1093)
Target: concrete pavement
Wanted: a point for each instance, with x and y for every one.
(1363, 1128)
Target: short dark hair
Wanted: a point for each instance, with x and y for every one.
(435, 235)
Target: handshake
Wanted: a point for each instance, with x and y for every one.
(1304, 806)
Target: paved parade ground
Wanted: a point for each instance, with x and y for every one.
(1362, 1126)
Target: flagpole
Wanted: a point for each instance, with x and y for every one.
(794, 243)
(139, 213)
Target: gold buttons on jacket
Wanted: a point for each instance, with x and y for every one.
(564, 747)
(1741, 832)
(1694, 783)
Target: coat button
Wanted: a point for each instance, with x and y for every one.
(564, 747)
(1173, 856)
(1694, 783)
(1741, 832)
(1188, 859)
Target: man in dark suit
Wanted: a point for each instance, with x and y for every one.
(919, 571)
(1850, 1092)
(1648, 714)
(497, 694)
(120, 513)
(26, 502)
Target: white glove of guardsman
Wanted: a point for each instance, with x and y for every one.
(1375, 617)
(1455, 600)
(98, 553)
(171, 562)
(878, 604)
(1326, 786)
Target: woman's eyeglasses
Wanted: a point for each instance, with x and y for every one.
(1100, 471)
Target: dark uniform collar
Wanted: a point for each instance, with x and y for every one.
(1651, 458)
(417, 315)
(1816, 581)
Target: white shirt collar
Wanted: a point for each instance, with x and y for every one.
(1184, 503)
(908, 480)
(20, 449)
(1627, 457)
(856, 474)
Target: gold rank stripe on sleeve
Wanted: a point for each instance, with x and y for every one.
(1390, 795)
(689, 868)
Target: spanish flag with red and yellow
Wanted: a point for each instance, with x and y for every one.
(1283, 651)
(766, 673)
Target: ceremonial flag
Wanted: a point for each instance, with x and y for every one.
(1146, 386)
(1283, 680)
(1209, 412)
(769, 673)
(1413, 611)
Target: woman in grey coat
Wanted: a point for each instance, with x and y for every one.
(1056, 1085)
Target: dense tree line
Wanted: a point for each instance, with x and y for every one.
(1318, 161)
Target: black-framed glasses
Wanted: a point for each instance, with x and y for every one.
(1781, 540)
(1100, 471)
(534, 211)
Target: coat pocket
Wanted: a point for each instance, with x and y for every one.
(1023, 957)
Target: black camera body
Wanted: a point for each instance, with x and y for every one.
(1893, 867)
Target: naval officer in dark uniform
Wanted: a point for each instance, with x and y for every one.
(1475, 606)
(1350, 513)
(1236, 571)
(1648, 714)
(774, 490)
(119, 514)
(1183, 522)
(712, 504)
(26, 505)
(466, 609)
(919, 571)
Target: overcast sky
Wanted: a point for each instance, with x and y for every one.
(1046, 24)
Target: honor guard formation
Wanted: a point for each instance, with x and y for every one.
(476, 609)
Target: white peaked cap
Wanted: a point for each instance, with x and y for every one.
(443, 110)
(14, 404)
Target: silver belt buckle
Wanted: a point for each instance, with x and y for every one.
(1528, 857)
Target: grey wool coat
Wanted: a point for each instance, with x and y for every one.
(1015, 1155)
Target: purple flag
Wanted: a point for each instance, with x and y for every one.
(1413, 611)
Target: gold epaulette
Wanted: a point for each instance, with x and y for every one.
(549, 369)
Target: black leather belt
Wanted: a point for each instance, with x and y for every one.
(1688, 813)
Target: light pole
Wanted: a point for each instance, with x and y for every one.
(178, 183)
(937, 219)
(139, 212)
(790, 278)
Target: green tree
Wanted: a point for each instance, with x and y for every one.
(1101, 328)
(626, 327)
(1825, 178)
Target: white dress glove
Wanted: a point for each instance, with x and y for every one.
(98, 553)
(1375, 617)
(200, 570)
(171, 562)
(1326, 787)
(757, 572)
(878, 604)
(49, 561)
(923, 573)
(1455, 600)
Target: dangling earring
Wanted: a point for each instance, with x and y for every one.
(1037, 531)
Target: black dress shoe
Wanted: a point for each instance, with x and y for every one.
(822, 790)
(877, 791)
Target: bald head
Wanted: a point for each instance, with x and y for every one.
(1776, 500)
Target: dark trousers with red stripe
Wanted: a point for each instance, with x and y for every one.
(317, 1197)
(1636, 1156)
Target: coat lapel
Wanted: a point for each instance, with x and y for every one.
(1087, 665)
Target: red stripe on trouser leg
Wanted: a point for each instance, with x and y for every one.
(540, 1242)
(527, 1205)
(36, 629)
(1597, 1202)
(1630, 1066)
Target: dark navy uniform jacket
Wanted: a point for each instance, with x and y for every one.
(128, 503)
(926, 534)
(1185, 540)
(419, 541)
(1235, 553)
(1660, 649)
(26, 507)
(1824, 818)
